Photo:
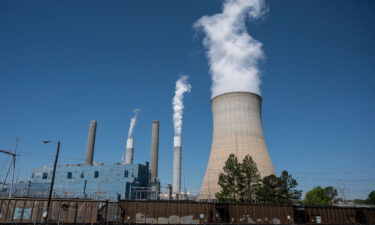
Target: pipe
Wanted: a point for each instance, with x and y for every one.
(90, 143)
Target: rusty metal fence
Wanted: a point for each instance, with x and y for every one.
(79, 211)
(29, 210)
(190, 212)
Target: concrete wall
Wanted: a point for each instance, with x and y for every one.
(237, 129)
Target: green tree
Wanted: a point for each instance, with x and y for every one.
(271, 189)
(320, 196)
(330, 192)
(279, 190)
(238, 181)
(371, 198)
(289, 184)
(228, 180)
(251, 177)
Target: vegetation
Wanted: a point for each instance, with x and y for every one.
(242, 182)
(270, 190)
(320, 196)
(279, 190)
(371, 198)
(239, 181)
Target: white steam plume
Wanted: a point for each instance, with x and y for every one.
(133, 120)
(182, 86)
(233, 54)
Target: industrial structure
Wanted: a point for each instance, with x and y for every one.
(154, 182)
(97, 181)
(154, 150)
(237, 129)
(177, 164)
(90, 143)
(129, 150)
(92, 180)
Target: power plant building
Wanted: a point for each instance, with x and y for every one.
(91, 180)
(117, 181)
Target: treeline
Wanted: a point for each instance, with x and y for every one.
(241, 182)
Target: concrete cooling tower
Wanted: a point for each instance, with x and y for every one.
(237, 129)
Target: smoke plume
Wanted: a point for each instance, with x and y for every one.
(233, 54)
(133, 120)
(182, 86)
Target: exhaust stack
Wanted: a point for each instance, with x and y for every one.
(129, 150)
(154, 150)
(90, 143)
(177, 164)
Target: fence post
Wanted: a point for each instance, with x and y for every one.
(106, 211)
(23, 209)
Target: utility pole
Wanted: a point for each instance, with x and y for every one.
(14, 169)
(53, 179)
(13, 162)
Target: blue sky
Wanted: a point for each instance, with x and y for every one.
(64, 63)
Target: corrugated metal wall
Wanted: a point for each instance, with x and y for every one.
(188, 212)
(29, 210)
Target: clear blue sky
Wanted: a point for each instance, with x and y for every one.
(64, 63)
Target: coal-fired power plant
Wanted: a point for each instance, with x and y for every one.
(177, 164)
(154, 150)
(129, 150)
(89, 157)
(237, 129)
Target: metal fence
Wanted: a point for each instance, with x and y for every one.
(78, 211)
(191, 212)
(31, 210)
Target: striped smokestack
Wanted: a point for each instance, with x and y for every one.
(154, 150)
(90, 143)
(177, 164)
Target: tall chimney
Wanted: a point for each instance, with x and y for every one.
(90, 143)
(177, 164)
(237, 129)
(129, 151)
(154, 150)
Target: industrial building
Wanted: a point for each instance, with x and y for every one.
(98, 181)
(89, 180)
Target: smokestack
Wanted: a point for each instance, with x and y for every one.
(182, 86)
(90, 143)
(128, 158)
(237, 129)
(177, 164)
(154, 150)
(129, 150)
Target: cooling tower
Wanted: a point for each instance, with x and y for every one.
(177, 164)
(237, 129)
(90, 143)
(129, 151)
(154, 150)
